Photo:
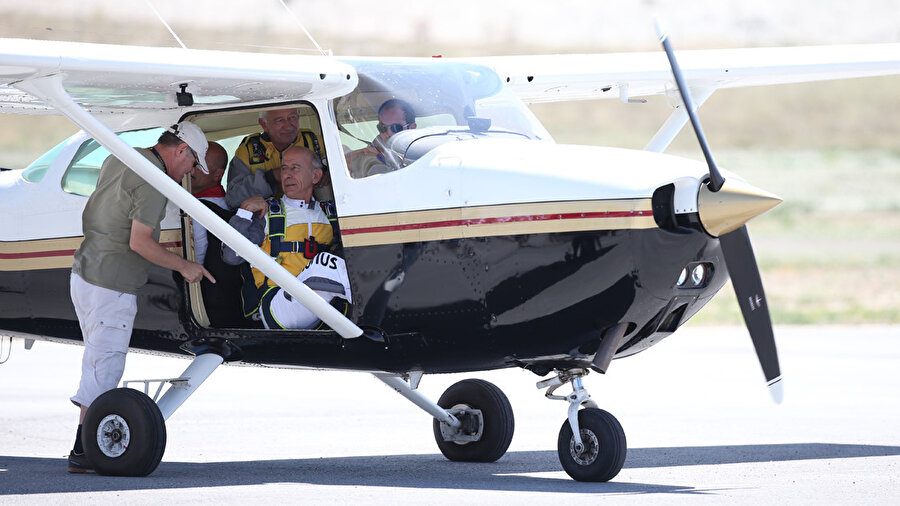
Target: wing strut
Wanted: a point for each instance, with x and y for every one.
(679, 117)
(51, 90)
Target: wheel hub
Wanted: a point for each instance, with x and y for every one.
(113, 436)
(591, 449)
(471, 429)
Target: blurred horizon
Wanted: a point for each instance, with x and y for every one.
(468, 27)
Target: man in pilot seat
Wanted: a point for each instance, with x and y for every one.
(394, 116)
(296, 232)
(254, 170)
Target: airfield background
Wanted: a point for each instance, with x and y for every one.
(829, 254)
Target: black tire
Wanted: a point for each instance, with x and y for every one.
(499, 423)
(132, 430)
(604, 442)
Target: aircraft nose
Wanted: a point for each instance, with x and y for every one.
(736, 203)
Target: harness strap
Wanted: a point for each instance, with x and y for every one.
(277, 219)
(256, 150)
(309, 247)
(311, 141)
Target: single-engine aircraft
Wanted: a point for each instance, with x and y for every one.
(484, 245)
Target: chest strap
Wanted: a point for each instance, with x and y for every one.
(277, 221)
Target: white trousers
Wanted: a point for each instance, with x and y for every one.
(326, 275)
(106, 318)
(291, 314)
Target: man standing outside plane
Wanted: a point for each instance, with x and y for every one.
(256, 166)
(121, 239)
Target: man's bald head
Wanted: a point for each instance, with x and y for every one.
(216, 160)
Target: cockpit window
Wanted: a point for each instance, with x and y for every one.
(84, 169)
(36, 169)
(424, 104)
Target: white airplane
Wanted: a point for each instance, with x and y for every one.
(482, 244)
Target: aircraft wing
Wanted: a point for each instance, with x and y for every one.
(111, 79)
(554, 78)
(99, 87)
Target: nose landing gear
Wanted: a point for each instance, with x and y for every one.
(591, 444)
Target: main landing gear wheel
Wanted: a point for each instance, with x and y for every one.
(487, 422)
(604, 446)
(124, 433)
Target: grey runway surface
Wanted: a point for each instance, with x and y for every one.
(698, 418)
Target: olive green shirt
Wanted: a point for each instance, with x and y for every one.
(105, 258)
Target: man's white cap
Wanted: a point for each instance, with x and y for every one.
(195, 138)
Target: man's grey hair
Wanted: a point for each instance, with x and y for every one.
(317, 162)
(262, 114)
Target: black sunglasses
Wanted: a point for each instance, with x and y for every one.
(394, 128)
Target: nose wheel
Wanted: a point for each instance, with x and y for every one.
(591, 444)
(603, 446)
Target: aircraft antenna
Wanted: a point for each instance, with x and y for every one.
(309, 35)
(152, 8)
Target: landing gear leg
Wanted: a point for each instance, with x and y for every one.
(124, 430)
(473, 420)
(591, 444)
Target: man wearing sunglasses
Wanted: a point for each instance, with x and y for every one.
(394, 116)
(121, 224)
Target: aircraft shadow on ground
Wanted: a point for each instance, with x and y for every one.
(26, 475)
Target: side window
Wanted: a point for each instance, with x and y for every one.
(84, 169)
(36, 170)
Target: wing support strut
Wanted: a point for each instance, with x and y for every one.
(679, 117)
(432, 408)
(51, 90)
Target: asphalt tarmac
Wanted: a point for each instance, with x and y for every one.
(696, 412)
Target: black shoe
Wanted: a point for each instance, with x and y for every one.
(78, 463)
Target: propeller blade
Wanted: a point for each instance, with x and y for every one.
(731, 210)
(741, 263)
(715, 178)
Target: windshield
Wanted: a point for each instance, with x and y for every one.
(403, 109)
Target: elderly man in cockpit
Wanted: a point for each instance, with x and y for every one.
(254, 170)
(296, 232)
(394, 116)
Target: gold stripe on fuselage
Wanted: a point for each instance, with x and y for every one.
(58, 253)
(507, 219)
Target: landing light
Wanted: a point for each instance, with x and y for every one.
(698, 275)
(682, 277)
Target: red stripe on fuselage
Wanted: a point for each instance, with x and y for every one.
(37, 254)
(505, 219)
(62, 252)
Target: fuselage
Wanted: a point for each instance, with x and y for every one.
(486, 250)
